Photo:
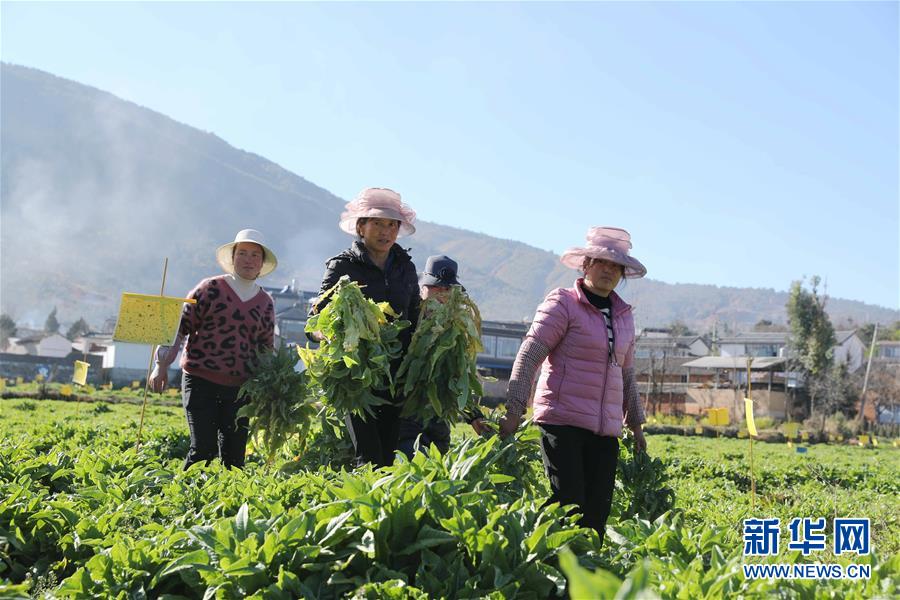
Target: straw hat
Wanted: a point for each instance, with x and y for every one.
(609, 243)
(378, 203)
(223, 253)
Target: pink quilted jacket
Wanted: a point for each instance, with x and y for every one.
(578, 385)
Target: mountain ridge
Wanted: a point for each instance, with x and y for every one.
(97, 190)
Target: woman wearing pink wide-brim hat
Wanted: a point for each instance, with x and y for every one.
(582, 338)
(386, 273)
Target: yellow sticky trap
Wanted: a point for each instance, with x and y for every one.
(791, 429)
(65, 390)
(840, 438)
(20, 380)
(149, 319)
(874, 441)
(172, 392)
(742, 433)
(804, 435)
(39, 378)
(724, 419)
(863, 440)
(698, 429)
(135, 384)
(896, 443)
(79, 372)
(751, 424)
(831, 437)
(790, 444)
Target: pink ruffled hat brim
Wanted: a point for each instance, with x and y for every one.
(608, 243)
(574, 258)
(378, 203)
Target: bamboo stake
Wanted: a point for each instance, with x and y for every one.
(750, 437)
(162, 289)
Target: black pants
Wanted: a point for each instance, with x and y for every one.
(435, 431)
(375, 436)
(582, 471)
(211, 411)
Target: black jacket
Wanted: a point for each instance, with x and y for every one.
(399, 285)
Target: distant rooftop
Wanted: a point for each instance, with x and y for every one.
(760, 363)
(774, 337)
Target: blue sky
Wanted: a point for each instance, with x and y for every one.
(743, 144)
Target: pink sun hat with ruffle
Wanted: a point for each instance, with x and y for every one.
(609, 243)
(378, 203)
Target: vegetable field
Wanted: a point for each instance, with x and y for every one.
(83, 513)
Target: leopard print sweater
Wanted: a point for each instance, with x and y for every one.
(223, 333)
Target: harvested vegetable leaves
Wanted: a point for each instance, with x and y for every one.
(438, 376)
(279, 405)
(354, 360)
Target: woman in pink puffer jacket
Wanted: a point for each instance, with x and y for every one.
(583, 340)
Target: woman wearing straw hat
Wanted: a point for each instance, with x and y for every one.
(386, 273)
(233, 319)
(582, 338)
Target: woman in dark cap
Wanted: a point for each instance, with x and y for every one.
(435, 282)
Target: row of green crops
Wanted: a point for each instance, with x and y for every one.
(85, 514)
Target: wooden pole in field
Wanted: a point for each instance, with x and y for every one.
(750, 437)
(865, 388)
(162, 289)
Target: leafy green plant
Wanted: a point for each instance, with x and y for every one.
(642, 482)
(84, 514)
(438, 376)
(278, 403)
(353, 362)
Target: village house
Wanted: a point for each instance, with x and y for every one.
(501, 341)
(848, 347)
(40, 344)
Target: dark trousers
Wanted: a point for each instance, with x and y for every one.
(435, 431)
(581, 467)
(211, 411)
(375, 436)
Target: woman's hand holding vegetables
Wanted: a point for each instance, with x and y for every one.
(509, 424)
(640, 443)
(480, 426)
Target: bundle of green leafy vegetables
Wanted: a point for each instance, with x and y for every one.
(353, 361)
(279, 403)
(438, 376)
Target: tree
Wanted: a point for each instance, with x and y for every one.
(835, 391)
(811, 338)
(885, 333)
(678, 327)
(812, 335)
(7, 329)
(884, 392)
(51, 325)
(78, 328)
(762, 325)
(765, 325)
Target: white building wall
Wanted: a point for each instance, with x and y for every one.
(54, 345)
(732, 350)
(123, 355)
(852, 351)
(699, 348)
